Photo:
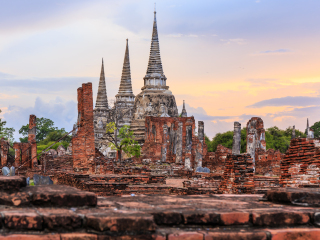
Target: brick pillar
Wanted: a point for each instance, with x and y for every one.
(32, 140)
(236, 144)
(17, 154)
(83, 149)
(4, 151)
(25, 153)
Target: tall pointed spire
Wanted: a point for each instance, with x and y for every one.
(155, 65)
(125, 84)
(184, 111)
(102, 99)
(154, 78)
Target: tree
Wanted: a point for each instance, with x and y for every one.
(2, 124)
(123, 141)
(209, 143)
(226, 140)
(6, 133)
(275, 138)
(316, 128)
(44, 127)
(55, 136)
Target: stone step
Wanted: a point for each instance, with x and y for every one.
(12, 183)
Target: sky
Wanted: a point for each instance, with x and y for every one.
(230, 60)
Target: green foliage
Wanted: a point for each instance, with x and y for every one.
(6, 133)
(275, 138)
(55, 136)
(44, 127)
(316, 129)
(226, 139)
(41, 147)
(111, 127)
(127, 142)
(209, 143)
(46, 135)
(2, 123)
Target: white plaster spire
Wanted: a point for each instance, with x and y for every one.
(102, 99)
(125, 88)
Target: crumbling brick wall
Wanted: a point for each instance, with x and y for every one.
(301, 164)
(26, 153)
(255, 136)
(173, 139)
(83, 149)
(4, 149)
(268, 162)
(216, 161)
(238, 176)
(22, 154)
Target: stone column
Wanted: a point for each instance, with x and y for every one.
(236, 145)
(199, 149)
(201, 130)
(179, 143)
(293, 136)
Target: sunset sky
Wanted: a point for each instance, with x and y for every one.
(229, 60)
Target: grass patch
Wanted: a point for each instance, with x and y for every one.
(31, 183)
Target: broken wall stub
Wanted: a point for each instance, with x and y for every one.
(61, 151)
(173, 140)
(255, 136)
(83, 148)
(22, 154)
(268, 162)
(215, 161)
(301, 165)
(32, 140)
(238, 177)
(4, 150)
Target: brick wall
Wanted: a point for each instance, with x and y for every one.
(301, 164)
(268, 162)
(215, 161)
(4, 149)
(83, 149)
(172, 140)
(238, 176)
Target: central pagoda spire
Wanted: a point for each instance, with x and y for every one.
(154, 78)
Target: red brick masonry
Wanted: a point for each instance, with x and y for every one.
(61, 212)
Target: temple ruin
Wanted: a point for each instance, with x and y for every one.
(176, 189)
